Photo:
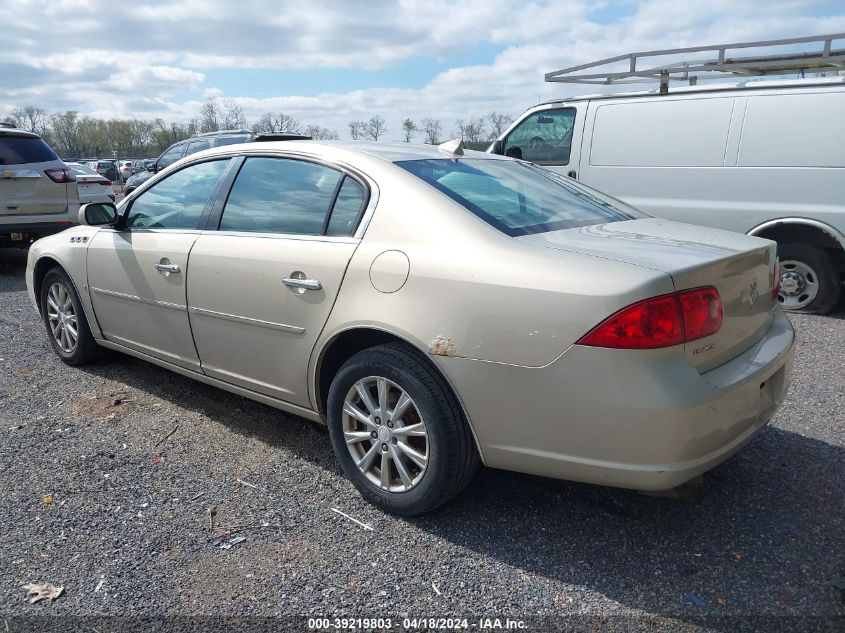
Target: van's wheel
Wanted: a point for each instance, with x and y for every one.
(64, 318)
(808, 280)
(398, 431)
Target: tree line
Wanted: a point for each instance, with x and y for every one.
(77, 135)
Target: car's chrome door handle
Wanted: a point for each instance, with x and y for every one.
(166, 269)
(305, 284)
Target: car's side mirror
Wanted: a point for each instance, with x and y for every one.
(97, 213)
(498, 147)
(153, 168)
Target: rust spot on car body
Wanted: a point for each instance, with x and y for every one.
(441, 346)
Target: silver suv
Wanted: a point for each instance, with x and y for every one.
(38, 193)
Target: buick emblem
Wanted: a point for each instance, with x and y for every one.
(753, 293)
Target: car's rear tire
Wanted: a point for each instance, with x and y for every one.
(809, 282)
(416, 430)
(64, 318)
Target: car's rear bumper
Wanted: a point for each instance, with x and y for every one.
(34, 229)
(629, 418)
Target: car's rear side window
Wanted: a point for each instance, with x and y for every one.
(347, 208)
(516, 197)
(20, 150)
(280, 195)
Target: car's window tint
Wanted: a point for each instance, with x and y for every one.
(518, 198)
(19, 150)
(347, 207)
(544, 137)
(276, 195)
(171, 156)
(177, 202)
(197, 146)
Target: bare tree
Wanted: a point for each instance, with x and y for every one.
(210, 116)
(497, 123)
(375, 127)
(431, 129)
(30, 118)
(409, 128)
(277, 122)
(321, 133)
(471, 130)
(356, 129)
(233, 115)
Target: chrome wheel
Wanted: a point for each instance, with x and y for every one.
(799, 284)
(385, 434)
(62, 318)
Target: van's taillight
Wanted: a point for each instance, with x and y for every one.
(60, 175)
(660, 321)
(776, 279)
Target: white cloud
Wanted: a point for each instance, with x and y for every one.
(152, 58)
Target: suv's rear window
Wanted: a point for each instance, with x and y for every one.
(19, 150)
(519, 198)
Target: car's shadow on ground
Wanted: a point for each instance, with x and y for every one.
(676, 557)
(738, 544)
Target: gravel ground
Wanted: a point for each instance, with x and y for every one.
(757, 544)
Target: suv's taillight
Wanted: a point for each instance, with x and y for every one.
(60, 175)
(776, 279)
(660, 321)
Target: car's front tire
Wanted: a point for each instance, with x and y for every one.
(64, 318)
(398, 431)
(809, 282)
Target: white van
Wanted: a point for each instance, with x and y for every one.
(765, 158)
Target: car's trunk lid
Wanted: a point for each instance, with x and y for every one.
(740, 267)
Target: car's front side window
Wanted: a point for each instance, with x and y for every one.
(178, 201)
(543, 137)
(280, 195)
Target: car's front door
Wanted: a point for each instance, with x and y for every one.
(550, 137)
(136, 273)
(261, 287)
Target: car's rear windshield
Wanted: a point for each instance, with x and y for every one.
(20, 150)
(519, 198)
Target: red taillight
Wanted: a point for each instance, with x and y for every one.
(660, 321)
(60, 175)
(776, 279)
(647, 324)
(702, 312)
(102, 181)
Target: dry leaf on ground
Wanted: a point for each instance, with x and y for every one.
(44, 591)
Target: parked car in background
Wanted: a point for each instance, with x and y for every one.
(435, 308)
(92, 186)
(38, 192)
(200, 142)
(125, 168)
(765, 158)
(105, 167)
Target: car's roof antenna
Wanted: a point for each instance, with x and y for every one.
(454, 147)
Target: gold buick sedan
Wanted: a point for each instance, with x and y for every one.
(436, 309)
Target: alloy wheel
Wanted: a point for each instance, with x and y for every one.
(62, 318)
(385, 434)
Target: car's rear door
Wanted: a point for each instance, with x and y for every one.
(261, 288)
(136, 274)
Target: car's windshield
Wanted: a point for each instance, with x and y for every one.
(519, 198)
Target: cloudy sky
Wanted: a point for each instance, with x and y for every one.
(327, 62)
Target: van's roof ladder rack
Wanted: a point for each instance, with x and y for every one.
(720, 66)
